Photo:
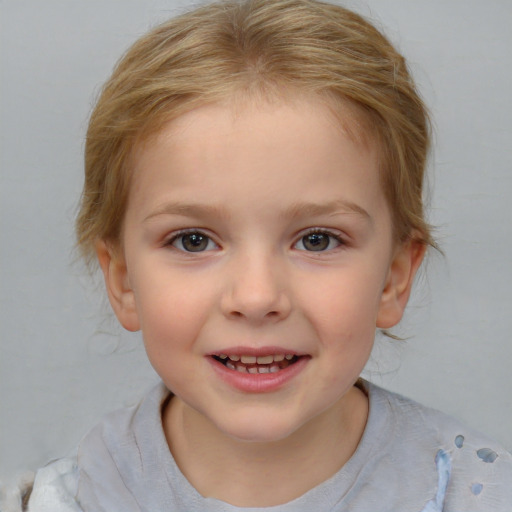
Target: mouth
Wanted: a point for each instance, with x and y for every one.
(262, 364)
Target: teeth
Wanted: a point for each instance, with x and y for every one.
(265, 360)
(262, 369)
(260, 359)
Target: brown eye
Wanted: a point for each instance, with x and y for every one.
(193, 242)
(318, 241)
(315, 242)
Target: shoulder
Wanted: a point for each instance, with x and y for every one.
(480, 469)
(110, 445)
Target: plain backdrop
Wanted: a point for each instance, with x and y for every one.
(63, 360)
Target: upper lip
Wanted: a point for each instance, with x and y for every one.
(255, 351)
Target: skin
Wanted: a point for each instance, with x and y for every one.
(253, 182)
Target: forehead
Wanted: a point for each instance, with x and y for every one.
(254, 120)
(227, 155)
(342, 114)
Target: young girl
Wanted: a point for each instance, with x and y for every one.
(253, 196)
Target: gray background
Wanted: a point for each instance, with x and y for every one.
(64, 362)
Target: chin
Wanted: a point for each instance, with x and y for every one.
(258, 430)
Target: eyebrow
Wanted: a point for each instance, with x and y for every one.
(305, 209)
(296, 210)
(188, 210)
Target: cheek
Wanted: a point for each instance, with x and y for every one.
(171, 311)
(345, 304)
(171, 326)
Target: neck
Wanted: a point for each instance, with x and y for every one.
(250, 474)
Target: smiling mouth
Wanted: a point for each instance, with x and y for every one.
(257, 364)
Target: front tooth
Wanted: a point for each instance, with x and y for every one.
(234, 358)
(241, 368)
(253, 369)
(248, 359)
(265, 359)
(263, 369)
(278, 357)
(274, 369)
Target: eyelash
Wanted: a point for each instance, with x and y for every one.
(202, 237)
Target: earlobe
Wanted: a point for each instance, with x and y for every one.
(397, 289)
(120, 293)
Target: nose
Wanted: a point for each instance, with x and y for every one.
(256, 290)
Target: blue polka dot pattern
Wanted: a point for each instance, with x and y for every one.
(487, 455)
(476, 489)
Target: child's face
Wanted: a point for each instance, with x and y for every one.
(258, 233)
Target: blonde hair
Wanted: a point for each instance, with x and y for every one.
(255, 46)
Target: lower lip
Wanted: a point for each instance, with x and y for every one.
(259, 382)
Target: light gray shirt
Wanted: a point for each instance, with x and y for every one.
(410, 459)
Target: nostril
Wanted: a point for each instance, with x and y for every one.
(255, 307)
(270, 314)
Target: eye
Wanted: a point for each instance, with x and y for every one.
(318, 241)
(193, 241)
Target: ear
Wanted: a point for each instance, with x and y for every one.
(404, 265)
(120, 293)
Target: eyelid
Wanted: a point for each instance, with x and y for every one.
(335, 233)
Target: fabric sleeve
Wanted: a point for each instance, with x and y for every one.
(15, 493)
(55, 488)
